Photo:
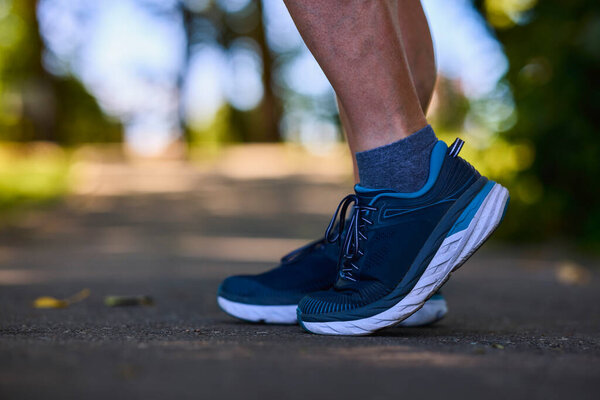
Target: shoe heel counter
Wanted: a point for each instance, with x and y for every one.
(462, 170)
(466, 169)
(459, 175)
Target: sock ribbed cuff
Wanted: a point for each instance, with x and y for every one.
(401, 165)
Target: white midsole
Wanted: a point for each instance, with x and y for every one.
(432, 311)
(285, 314)
(454, 250)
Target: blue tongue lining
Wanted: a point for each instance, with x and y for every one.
(435, 165)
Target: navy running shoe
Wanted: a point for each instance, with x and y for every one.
(400, 248)
(273, 296)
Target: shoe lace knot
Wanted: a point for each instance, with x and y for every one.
(350, 250)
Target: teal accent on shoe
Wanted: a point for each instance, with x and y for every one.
(470, 211)
(435, 165)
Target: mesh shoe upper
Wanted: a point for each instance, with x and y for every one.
(309, 269)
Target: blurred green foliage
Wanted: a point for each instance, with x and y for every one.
(537, 133)
(32, 174)
(553, 48)
(35, 104)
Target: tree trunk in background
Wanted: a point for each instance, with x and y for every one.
(258, 125)
(187, 18)
(271, 105)
(36, 84)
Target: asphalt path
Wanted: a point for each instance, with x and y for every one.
(524, 322)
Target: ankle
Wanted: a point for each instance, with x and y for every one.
(402, 165)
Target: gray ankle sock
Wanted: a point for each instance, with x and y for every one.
(402, 165)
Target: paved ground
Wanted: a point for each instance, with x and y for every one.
(523, 323)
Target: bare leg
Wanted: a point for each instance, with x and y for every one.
(346, 127)
(418, 45)
(358, 45)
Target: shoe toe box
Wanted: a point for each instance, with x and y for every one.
(250, 290)
(322, 302)
(332, 304)
(239, 285)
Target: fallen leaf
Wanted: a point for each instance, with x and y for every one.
(51, 302)
(119, 301)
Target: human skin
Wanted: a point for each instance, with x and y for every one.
(379, 59)
(418, 45)
(359, 46)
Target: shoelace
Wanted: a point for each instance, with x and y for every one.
(350, 250)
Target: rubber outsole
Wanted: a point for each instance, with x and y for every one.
(454, 251)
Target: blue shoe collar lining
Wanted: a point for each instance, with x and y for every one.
(437, 159)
